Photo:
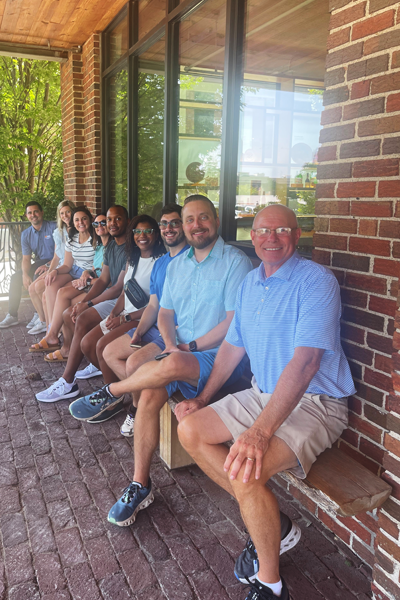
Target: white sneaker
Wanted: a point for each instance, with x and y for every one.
(88, 372)
(9, 321)
(60, 390)
(128, 425)
(40, 327)
(33, 321)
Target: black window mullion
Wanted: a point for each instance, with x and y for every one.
(171, 112)
(132, 141)
(234, 42)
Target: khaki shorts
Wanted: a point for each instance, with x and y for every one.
(314, 425)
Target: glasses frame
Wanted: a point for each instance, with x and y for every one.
(288, 231)
(99, 223)
(147, 231)
(162, 224)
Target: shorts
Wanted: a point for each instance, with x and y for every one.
(314, 424)
(104, 308)
(206, 361)
(152, 336)
(76, 272)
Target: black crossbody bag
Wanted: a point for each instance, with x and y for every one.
(134, 292)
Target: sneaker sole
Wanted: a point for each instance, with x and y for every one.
(65, 397)
(90, 419)
(288, 542)
(97, 374)
(41, 330)
(7, 326)
(144, 504)
(103, 415)
(125, 434)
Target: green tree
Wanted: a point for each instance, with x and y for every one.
(30, 135)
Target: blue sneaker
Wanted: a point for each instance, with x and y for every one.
(94, 407)
(135, 498)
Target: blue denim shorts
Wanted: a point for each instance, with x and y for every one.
(206, 361)
(76, 272)
(153, 336)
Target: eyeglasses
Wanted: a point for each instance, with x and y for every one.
(174, 224)
(139, 231)
(280, 231)
(99, 223)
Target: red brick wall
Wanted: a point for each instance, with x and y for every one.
(80, 89)
(358, 235)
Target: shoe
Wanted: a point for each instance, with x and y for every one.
(246, 566)
(33, 321)
(258, 591)
(60, 390)
(93, 408)
(135, 497)
(128, 424)
(88, 372)
(39, 327)
(8, 321)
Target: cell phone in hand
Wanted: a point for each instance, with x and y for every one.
(161, 356)
(135, 345)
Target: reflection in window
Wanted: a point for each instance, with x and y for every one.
(201, 59)
(281, 105)
(151, 12)
(151, 129)
(117, 89)
(117, 42)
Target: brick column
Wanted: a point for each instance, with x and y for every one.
(80, 91)
(357, 234)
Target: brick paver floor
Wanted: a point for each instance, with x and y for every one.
(59, 477)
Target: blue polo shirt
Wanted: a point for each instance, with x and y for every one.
(40, 243)
(297, 306)
(202, 293)
(157, 277)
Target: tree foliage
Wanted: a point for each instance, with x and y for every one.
(30, 135)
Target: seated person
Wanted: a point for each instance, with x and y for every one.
(200, 289)
(287, 319)
(37, 287)
(143, 247)
(119, 355)
(74, 292)
(37, 240)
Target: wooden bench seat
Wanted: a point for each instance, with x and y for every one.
(336, 482)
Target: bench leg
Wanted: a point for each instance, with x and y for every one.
(171, 450)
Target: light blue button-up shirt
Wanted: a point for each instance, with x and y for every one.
(297, 306)
(202, 293)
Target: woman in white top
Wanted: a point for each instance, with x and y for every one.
(37, 287)
(143, 246)
(78, 256)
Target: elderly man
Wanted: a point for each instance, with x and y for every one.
(287, 319)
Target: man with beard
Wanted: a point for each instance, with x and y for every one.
(200, 291)
(121, 355)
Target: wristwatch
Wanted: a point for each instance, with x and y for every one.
(193, 346)
(90, 304)
(128, 318)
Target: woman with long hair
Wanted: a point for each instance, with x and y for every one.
(37, 287)
(143, 246)
(78, 257)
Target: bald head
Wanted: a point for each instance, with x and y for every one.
(277, 211)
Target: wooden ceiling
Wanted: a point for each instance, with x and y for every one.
(55, 23)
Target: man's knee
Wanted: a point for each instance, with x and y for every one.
(100, 347)
(153, 400)
(188, 432)
(172, 366)
(31, 289)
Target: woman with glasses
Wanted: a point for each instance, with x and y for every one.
(143, 247)
(73, 292)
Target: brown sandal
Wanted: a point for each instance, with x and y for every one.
(55, 357)
(43, 346)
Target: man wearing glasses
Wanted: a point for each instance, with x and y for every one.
(139, 345)
(287, 319)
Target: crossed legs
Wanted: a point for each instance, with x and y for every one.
(203, 434)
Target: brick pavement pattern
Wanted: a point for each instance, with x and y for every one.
(59, 478)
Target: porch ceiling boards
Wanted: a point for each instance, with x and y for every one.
(54, 23)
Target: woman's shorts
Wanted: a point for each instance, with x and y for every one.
(152, 336)
(76, 272)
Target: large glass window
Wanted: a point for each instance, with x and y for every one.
(201, 60)
(117, 90)
(151, 129)
(281, 105)
(117, 42)
(151, 12)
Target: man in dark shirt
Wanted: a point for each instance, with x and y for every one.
(37, 240)
(96, 306)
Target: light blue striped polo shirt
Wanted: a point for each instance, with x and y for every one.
(297, 306)
(202, 293)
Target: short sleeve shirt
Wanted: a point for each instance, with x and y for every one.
(60, 238)
(39, 242)
(115, 259)
(202, 293)
(297, 306)
(83, 254)
(159, 272)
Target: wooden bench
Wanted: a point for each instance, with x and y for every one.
(336, 482)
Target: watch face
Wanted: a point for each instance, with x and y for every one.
(127, 318)
(192, 346)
